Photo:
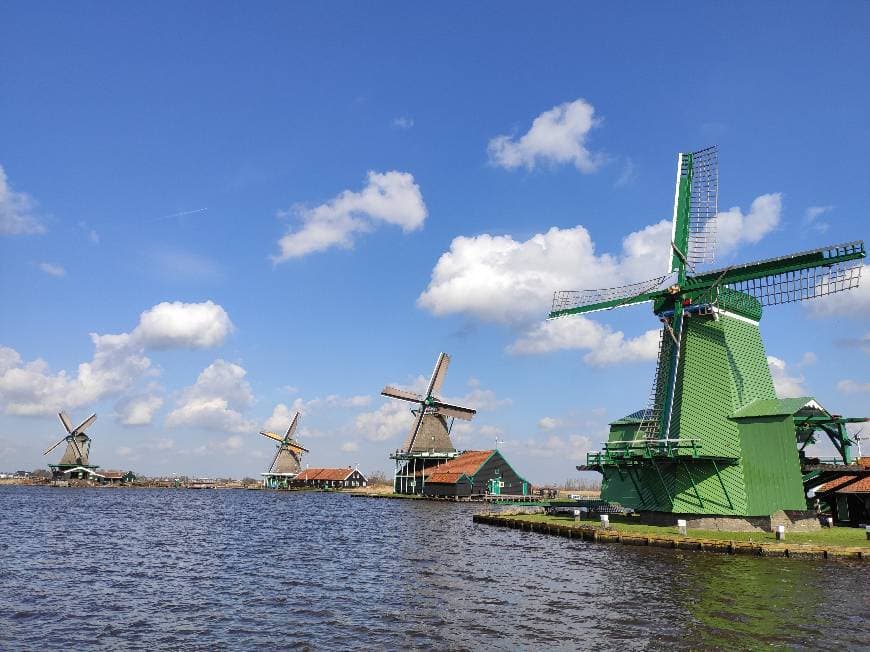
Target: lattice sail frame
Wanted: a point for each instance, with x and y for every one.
(703, 206)
(568, 299)
(809, 283)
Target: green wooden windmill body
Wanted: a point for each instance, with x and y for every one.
(714, 439)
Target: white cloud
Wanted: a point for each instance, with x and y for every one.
(52, 270)
(556, 136)
(119, 361)
(570, 447)
(786, 383)
(31, 388)
(349, 447)
(853, 387)
(605, 346)
(390, 197)
(497, 278)
(548, 423)
(215, 400)
(403, 122)
(812, 215)
(280, 419)
(183, 325)
(389, 421)
(734, 228)
(138, 410)
(17, 211)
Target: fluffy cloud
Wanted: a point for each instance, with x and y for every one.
(349, 447)
(389, 421)
(390, 197)
(30, 388)
(215, 400)
(183, 325)
(497, 278)
(138, 410)
(852, 387)
(52, 269)
(733, 227)
(548, 423)
(556, 136)
(605, 346)
(17, 211)
(786, 382)
(119, 361)
(280, 419)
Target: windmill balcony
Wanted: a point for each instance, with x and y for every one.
(637, 450)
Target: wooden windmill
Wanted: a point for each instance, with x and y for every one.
(287, 462)
(78, 447)
(714, 438)
(428, 441)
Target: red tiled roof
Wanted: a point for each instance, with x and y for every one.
(835, 484)
(326, 474)
(113, 474)
(860, 487)
(468, 463)
(444, 478)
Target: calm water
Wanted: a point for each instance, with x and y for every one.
(215, 570)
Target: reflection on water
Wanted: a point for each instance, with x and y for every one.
(212, 570)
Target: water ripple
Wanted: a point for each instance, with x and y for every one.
(240, 570)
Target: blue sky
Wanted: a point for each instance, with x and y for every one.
(431, 173)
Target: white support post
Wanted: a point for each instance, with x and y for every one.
(605, 521)
(867, 530)
(780, 532)
(681, 526)
(829, 521)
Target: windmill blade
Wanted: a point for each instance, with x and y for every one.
(438, 375)
(272, 435)
(401, 394)
(571, 302)
(464, 413)
(65, 420)
(274, 459)
(703, 206)
(51, 448)
(296, 447)
(87, 423)
(693, 234)
(788, 279)
(412, 434)
(292, 428)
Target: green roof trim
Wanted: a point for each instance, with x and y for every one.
(773, 407)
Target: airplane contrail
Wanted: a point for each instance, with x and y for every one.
(167, 217)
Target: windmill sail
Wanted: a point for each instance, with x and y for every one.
(567, 302)
(801, 276)
(703, 207)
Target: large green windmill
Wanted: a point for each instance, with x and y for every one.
(714, 439)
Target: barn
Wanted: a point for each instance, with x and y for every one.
(472, 473)
(343, 478)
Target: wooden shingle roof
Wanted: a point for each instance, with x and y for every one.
(326, 474)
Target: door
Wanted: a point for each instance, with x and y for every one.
(495, 487)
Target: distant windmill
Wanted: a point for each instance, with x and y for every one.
(430, 431)
(78, 445)
(428, 442)
(287, 462)
(703, 445)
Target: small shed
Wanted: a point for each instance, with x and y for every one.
(341, 478)
(473, 473)
(117, 477)
(849, 495)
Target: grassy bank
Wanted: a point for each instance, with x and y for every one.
(838, 536)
